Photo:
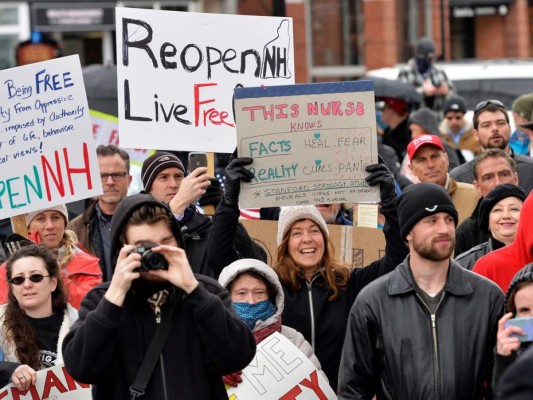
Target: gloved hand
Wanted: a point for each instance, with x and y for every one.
(233, 379)
(380, 173)
(213, 194)
(235, 173)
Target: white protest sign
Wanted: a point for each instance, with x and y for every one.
(177, 72)
(281, 371)
(47, 151)
(105, 131)
(52, 383)
(310, 143)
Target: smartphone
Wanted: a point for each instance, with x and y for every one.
(197, 159)
(526, 323)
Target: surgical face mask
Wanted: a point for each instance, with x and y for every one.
(251, 313)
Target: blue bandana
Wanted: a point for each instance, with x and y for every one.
(251, 313)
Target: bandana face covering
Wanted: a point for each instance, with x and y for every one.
(423, 64)
(251, 313)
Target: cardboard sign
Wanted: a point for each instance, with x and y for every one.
(52, 383)
(280, 370)
(47, 151)
(354, 246)
(310, 143)
(177, 72)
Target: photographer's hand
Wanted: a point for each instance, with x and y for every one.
(179, 271)
(124, 274)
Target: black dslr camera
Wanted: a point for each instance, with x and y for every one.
(150, 260)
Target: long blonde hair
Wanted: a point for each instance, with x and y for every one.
(336, 275)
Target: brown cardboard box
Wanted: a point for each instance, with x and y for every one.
(357, 247)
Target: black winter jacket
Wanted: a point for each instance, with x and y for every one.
(469, 258)
(206, 341)
(308, 310)
(396, 349)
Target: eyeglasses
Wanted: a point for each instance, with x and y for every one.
(35, 278)
(484, 104)
(116, 176)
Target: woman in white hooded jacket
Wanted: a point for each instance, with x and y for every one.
(257, 297)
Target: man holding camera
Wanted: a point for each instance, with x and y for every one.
(152, 287)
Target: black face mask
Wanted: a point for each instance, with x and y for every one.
(423, 64)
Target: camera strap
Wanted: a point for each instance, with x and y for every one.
(146, 369)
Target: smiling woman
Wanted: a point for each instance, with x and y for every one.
(36, 318)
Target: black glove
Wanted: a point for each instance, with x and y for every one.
(212, 194)
(235, 173)
(380, 173)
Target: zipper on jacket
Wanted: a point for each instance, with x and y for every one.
(311, 308)
(164, 385)
(436, 368)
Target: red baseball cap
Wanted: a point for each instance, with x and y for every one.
(423, 140)
(400, 106)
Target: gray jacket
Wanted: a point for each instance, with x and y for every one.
(396, 349)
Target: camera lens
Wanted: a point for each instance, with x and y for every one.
(153, 260)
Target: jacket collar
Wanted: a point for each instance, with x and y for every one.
(402, 280)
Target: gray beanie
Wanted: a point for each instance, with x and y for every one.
(426, 119)
(289, 215)
(60, 208)
(422, 200)
(524, 275)
(425, 47)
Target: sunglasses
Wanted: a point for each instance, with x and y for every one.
(35, 278)
(484, 104)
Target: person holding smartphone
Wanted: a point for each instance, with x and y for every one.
(163, 176)
(511, 340)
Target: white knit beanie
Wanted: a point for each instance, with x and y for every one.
(289, 215)
(60, 208)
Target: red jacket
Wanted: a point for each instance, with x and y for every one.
(501, 265)
(81, 275)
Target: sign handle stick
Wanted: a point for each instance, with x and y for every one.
(210, 209)
(18, 225)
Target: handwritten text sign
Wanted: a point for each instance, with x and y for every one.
(280, 370)
(47, 151)
(310, 143)
(177, 72)
(52, 383)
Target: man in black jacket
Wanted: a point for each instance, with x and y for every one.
(118, 319)
(410, 333)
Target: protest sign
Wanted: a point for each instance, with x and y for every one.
(52, 383)
(281, 371)
(177, 72)
(47, 152)
(310, 143)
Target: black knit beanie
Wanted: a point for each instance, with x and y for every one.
(155, 164)
(421, 200)
(494, 196)
(524, 275)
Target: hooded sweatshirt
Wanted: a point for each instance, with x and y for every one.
(500, 266)
(107, 344)
(232, 271)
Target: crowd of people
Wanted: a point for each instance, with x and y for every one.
(144, 296)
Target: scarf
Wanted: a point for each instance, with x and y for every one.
(251, 313)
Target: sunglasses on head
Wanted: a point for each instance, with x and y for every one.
(35, 278)
(484, 104)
